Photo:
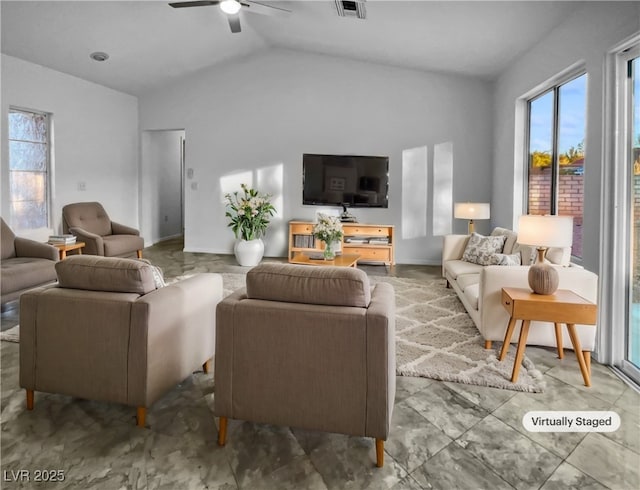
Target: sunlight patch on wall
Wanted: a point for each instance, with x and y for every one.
(270, 180)
(442, 188)
(266, 180)
(414, 192)
(231, 183)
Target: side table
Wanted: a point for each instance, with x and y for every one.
(63, 248)
(563, 306)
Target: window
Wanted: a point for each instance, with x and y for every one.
(557, 121)
(29, 169)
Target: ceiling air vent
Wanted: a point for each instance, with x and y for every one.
(350, 8)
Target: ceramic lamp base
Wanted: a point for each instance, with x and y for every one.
(543, 278)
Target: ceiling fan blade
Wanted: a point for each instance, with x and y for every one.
(264, 9)
(199, 3)
(234, 22)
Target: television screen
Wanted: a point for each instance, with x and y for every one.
(349, 180)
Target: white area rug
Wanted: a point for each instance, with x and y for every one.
(435, 337)
(11, 335)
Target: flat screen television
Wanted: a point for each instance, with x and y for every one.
(345, 180)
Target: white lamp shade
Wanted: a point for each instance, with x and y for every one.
(471, 210)
(230, 6)
(545, 231)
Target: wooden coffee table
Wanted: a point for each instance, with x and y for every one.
(344, 260)
(63, 248)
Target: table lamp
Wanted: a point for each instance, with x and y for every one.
(543, 232)
(471, 211)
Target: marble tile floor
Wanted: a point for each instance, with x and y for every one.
(443, 436)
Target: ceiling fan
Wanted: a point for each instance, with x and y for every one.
(232, 9)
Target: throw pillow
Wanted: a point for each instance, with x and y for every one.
(480, 249)
(504, 259)
(158, 275)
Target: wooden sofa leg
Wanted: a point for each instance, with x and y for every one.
(379, 453)
(206, 367)
(139, 252)
(141, 416)
(487, 344)
(222, 432)
(29, 399)
(587, 359)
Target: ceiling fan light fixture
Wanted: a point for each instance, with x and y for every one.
(230, 6)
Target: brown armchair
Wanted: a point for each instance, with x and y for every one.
(91, 224)
(106, 333)
(26, 263)
(307, 347)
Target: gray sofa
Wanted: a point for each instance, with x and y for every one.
(26, 264)
(307, 347)
(107, 333)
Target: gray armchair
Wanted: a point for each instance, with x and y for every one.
(91, 224)
(26, 264)
(307, 347)
(106, 333)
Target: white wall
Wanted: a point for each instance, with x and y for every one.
(253, 118)
(96, 138)
(585, 36)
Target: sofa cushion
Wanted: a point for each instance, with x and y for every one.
(465, 280)
(510, 240)
(105, 274)
(504, 259)
(90, 216)
(480, 248)
(115, 245)
(319, 285)
(455, 268)
(472, 292)
(21, 273)
(559, 256)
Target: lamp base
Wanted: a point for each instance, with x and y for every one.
(543, 278)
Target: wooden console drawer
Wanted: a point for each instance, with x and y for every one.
(365, 230)
(301, 229)
(377, 254)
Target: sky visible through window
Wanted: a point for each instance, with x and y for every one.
(572, 117)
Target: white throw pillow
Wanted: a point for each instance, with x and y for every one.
(158, 275)
(480, 249)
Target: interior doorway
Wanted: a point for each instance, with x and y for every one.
(162, 185)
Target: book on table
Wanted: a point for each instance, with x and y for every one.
(62, 239)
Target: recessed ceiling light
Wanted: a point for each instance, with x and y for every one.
(99, 56)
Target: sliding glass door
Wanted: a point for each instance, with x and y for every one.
(633, 152)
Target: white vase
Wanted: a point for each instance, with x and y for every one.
(249, 252)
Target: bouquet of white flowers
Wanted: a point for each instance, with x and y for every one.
(249, 214)
(329, 230)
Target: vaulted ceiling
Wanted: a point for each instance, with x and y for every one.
(151, 44)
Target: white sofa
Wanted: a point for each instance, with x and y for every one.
(480, 288)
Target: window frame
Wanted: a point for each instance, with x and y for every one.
(49, 166)
(552, 85)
